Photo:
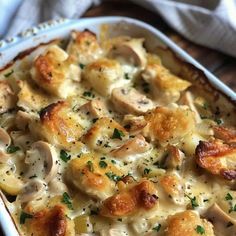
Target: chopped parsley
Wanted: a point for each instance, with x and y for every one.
(67, 200)
(146, 171)
(218, 121)
(88, 94)
(193, 201)
(228, 197)
(102, 164)
(157, 228)
(12, 149)
(64, 156)
(113, 161)
(232, 208)
(200, 230)
(81, 66)
(113, 176)
(127, 76)
(24, 216)
(90, 166)
(117, 134)
(205, 106)
(9, 73)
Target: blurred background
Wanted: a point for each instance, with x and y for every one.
(206, 29)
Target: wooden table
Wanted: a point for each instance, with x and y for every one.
(221, 65)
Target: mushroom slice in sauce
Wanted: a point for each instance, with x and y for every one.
(35, 188)
(129, 100)
(224, 224)
(136, 145)
(5, 141)
(129, 50)
(7, 98)
(217, 158)
(41, 159)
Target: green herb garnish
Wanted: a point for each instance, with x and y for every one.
(12, 149)
(90, 166)
(117, 134)
(102, 164)
(9, 73)
(218, 121)
(88, 94)
(127, 76)
(24, 216)
(64, 156)
(81, 66)
(193, 201)
(113, 176)
(67, 200)
(200, 230)
(228, 197)
(146, 171)
(157, 228)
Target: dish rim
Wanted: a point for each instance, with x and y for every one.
(29, 36)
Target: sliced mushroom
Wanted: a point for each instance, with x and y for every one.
(95, 108)
(187, 99)
(22, 139)
(42, 159)
(134, 124)
(129, 50)
(5, 139)
(136, 145)
(175, 158)
(57, 187)
(129, 100)
(7, 98)
(224, 225)
(34, 189)
(23, 119)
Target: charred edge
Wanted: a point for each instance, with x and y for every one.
(229, 174)
(147, 200)
(46, 112)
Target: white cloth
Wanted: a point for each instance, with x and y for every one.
(211, 23)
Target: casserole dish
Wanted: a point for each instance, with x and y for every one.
(182, 64)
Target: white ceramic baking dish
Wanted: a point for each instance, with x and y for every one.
(46, 32)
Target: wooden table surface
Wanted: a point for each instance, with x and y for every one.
(221, 65)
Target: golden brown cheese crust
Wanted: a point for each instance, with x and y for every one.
(57, 126)
(224, 133)
(215, 156)
(168, 124)
(84, 47)
(142, 195)
(50, 222)
(87, 174)
(185, 224)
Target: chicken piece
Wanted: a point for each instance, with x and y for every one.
(94, 176)
(188, 223)
(95, 108)
(175, 158)
(7, 97)
(105, 135)
(54, 72)
(223, 223)
(134, 124)
(57, 126)
(83, 47)
(173, 187)
(135, 200)
(226, 134)
(129, 100)
(165, 86)
(217, 158)
(104, 75)
(136, 145)
(187, 99)
(168, 125)
(28, 96)
(50, 222)
(130, 50)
